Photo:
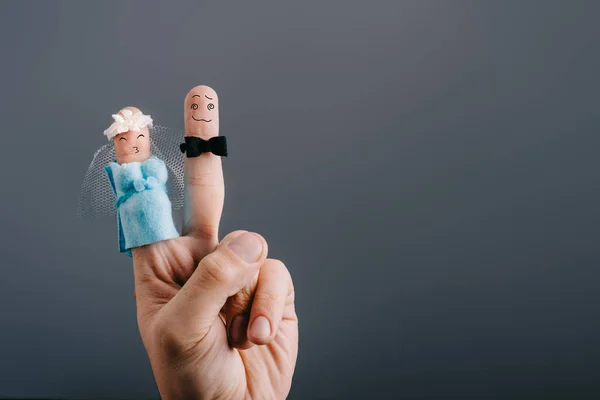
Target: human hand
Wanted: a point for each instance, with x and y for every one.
(217, 319)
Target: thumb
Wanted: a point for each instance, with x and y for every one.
(219, 275)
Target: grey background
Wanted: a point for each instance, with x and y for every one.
(427, 170)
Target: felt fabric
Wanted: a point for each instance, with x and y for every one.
(194, 146)
(143, 207)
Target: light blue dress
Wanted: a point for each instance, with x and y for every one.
(143, 207)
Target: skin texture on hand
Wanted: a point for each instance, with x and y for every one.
(217, 319)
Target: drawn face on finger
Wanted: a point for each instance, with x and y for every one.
(201, 112)
(132, 146)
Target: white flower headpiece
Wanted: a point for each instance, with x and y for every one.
(129, 121)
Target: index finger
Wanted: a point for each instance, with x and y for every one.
(204, 186)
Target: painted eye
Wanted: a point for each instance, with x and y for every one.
(122, 138)
(140, 135)
(194, 106)
(210, 106)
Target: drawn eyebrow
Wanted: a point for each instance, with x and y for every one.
(210, 98)
(196, 95)
(122, 138)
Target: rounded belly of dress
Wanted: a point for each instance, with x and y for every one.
(149, 209)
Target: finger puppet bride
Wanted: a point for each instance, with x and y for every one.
(135, 184)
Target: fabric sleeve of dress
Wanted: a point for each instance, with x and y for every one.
(111, 179)
(155, 168)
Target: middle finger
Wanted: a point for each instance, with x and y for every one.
(204, 185)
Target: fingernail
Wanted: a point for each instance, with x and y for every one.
(247, 246)
(237, 328)
(261, 328)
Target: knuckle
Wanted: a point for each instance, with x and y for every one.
(216, 271)
(164, 335)
(204, 231)
(278, 264)
(172, 345)
(204, 179)
(267, 303)
(265, 299)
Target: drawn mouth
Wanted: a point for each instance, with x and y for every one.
(201, 119)
(136, 150)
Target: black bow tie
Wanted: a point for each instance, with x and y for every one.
(194, 146)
